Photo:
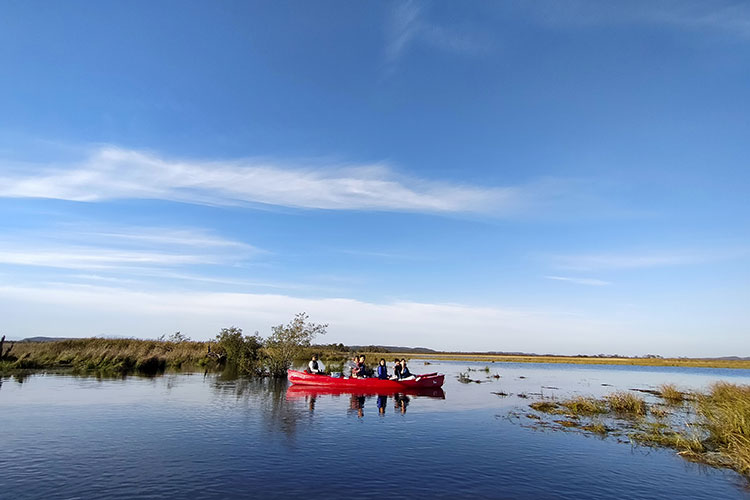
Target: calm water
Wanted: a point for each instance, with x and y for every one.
(190, 436)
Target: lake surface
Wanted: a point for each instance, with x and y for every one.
(196, 436)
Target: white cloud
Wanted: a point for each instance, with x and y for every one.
(112, 173)
(407, 25)
(121, 248)
(614, 261)
(96, 310)
(580, 281)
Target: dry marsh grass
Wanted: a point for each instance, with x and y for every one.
(725, 411)
(626, 403)
(671, 394)
(584, 406)
(117, 355)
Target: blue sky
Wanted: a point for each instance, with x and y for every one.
(548, 176)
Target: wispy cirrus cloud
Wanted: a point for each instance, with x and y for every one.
(641, 260)
(122, 249)
(111, 173)
(579, 281)
(725, 16)
(408, 25)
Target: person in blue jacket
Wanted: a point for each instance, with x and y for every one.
(382, 370)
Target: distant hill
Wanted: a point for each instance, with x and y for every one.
(43, 339)
(392, 348)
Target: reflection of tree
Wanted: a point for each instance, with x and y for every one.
(265, 395)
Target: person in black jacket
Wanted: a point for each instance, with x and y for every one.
(315, 367)
(396, 370)
(405, 373)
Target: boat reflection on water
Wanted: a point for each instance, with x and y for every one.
(358, 398)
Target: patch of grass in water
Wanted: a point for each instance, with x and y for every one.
(671, 394)
(712, 428)
(584, 406)
(626, 403)
(662, 435)
(545, 406)
(725, 411)
(658, 411)
(596, 427)
(567, 423)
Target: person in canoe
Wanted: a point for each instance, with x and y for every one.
(315, 367)
(362, 370)
(396, 370)
(351, 367)
(405, 373)
(382, 370)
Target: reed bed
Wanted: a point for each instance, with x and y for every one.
(115, 355)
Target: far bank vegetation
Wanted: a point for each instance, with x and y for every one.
(231, 349)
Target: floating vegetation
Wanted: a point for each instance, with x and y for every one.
(658, 411)
(596, 427)
(567, 423)
(544, 406)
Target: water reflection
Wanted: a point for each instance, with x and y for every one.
(357, 400)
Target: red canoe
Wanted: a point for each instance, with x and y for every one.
(301, 391)
(432, 380)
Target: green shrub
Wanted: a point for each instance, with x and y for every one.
(288, 342)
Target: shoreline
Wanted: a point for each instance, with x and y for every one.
(580, 360)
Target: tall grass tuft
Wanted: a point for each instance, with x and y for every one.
(671, 394)
(626, 403)
(726, 413)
